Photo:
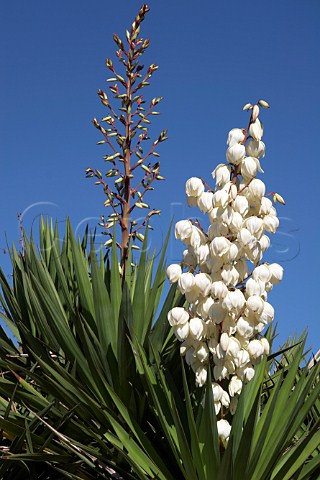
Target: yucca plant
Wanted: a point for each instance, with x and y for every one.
(92, 393)
(75, 325)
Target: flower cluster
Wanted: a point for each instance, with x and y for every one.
(222, 275)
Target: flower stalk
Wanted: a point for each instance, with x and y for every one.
(126, 134)
(222, 275)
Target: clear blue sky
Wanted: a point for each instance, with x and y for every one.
(214, 58)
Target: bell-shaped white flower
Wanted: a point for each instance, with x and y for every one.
(270, 223)
(234, 301)
(182, 331)
(194, 187)
(248, 373)
(220, 198)
(183, 230)
(257, 188)
(255, 349)
(174, 272)
(265, 206)
(219, 290)
(201, 376)
(276, 273)
(235, 386)
(205, 202)
(255, 148)
(235, 135)
(241, 205)
(203, 283)
(255, 304)
(220, 372)
(219, 246)
(262, 272)
(222, 174)
(264, 243)
(224, 429)
(236, 153)
(254, 225)
(217, 392)
(266, 345)
(244, 327)
(244, 237)
(203, 307)
(189, 257)
(267, 314)
(249, 167)
(178, 316)
(254, 287)
(256, 130)
(202, 352)
(197, 328)
(230, 275)
(186, 282)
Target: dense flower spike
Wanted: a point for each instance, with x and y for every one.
(222, 274)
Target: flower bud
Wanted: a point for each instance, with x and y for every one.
(255, 112)
(194, 187)
(173, 273)
(264, 104)
(177, 316)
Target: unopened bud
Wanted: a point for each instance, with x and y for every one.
(255, 113)
(278, 198)
(247, 106)
(264, 104)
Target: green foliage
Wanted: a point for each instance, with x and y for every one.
(96, 389)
